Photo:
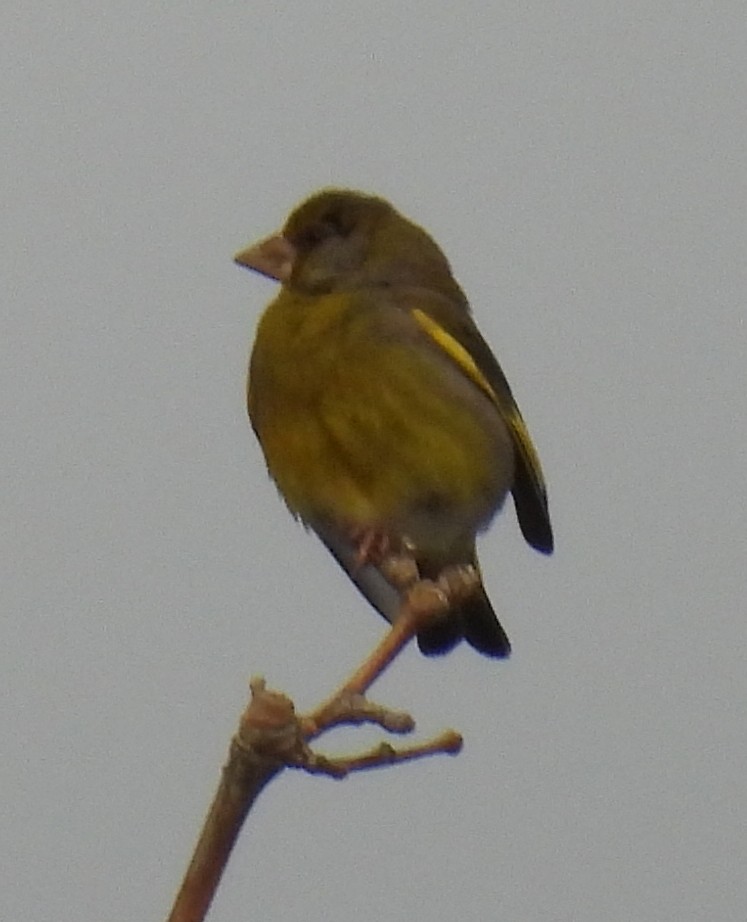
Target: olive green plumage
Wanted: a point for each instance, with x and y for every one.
(379, 406)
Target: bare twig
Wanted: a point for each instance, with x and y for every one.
(449, 743)
(271, 736)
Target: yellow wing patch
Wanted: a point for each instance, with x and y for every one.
(508, 412)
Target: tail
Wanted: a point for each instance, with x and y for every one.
(476, 622)
(473, 620)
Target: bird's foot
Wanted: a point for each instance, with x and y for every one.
(459, 582)
(372, 545)
(395, 558)
(428, 600)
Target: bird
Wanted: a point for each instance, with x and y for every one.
(385, 420)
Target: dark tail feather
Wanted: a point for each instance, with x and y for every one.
(476, 622)
(482, 629)
(441, 637)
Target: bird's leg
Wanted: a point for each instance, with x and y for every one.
(399, 568)
(459, 582)
(394, 558)
(372, 545)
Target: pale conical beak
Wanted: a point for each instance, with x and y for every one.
(274, 257)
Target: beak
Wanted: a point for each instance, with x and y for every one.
(274, 257)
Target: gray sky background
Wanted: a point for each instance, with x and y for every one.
(583, 166)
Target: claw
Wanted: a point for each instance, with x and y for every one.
(373, 546)
(459, 582)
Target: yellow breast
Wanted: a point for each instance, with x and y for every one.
(362, 425)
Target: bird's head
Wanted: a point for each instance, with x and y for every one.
(340, 240)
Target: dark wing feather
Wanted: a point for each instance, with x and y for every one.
(456, 334)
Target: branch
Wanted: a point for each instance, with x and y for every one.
(271, 737)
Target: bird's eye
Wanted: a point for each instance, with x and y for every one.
(333, 224)
(328, 225)
(337, 224)
(314, 234)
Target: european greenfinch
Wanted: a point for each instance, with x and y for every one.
(384, 418)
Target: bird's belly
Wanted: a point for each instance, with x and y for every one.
(426, 457)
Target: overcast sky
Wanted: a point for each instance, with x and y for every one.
(583, 165)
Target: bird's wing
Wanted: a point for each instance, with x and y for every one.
(451, 331)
